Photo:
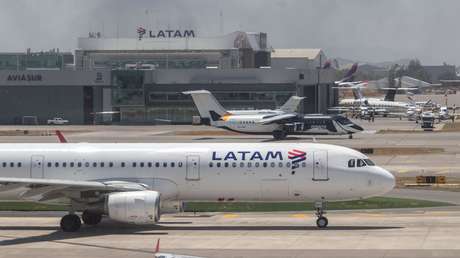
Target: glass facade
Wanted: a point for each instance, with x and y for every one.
(24, 61)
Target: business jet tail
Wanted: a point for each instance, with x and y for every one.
(292, 104)
(209, 108)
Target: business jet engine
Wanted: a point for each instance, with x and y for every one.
(137, 207)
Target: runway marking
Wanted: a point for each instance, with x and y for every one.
(231, 216)
(299, 216)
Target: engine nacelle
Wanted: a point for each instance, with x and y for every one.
(138, 207)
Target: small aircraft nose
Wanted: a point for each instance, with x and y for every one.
(357, 127)
(385, 180)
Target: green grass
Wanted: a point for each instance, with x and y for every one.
(372, 203)
(29, 206)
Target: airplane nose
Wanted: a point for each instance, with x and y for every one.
(357, 127)
(385, 180)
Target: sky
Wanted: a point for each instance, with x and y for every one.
(364, 30)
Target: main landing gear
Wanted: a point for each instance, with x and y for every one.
(322, 221)
(279, 134)
(350, 136)
(71, 222)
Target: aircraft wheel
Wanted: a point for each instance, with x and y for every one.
(322, 222)
(70, 223)
(91, 218)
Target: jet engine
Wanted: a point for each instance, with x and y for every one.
(137, 207)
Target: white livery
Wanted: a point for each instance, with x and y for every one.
(127, 182)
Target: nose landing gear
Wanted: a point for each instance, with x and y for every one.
(322, 221)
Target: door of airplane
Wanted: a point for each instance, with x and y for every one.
(36, 166)
(193, 167)
(320, 170)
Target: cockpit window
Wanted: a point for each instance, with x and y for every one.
(342, 120)
(361, 163)
(351, 163)
(369, 162)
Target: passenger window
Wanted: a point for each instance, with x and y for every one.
(173, 164)
(226, 164)
(165, 164)
(264, 164)
(218, 164)
(361, 163)
(110, 164)
(234, 164)
(241, 164)
(19, 164)
(180, 164)
(149, 164)
(102, 164)
(304, 164)
(87, 164)
(134, 164)
(351, 163)
(249, 164)
(272, 164)
(56, 164)
(49, 164)
(157, 164)
(142, 164)
(122, 164)
(71, 164)
(79, 164)
(64, 164)
(12, 164)
(256, 164)
(280, 164)
(288, 164)
(210, 164)
(94, 164)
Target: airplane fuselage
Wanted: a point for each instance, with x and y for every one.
(211, 172)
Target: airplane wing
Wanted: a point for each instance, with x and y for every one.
(37, 189)
(278, 119)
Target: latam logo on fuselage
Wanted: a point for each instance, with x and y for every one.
(24, 77)
(258, 155)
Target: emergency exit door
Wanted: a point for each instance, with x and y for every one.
(193, 167)
(320, 171)
(36, 166)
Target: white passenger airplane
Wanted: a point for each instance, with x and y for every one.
(278, 124)
(126, 182)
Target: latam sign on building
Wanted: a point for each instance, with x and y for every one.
(166, 33)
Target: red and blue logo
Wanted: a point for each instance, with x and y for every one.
(297, 156)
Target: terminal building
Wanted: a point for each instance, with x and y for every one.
(141, 79)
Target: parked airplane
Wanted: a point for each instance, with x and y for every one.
(385, 106)
(126, 182)
(277, 124)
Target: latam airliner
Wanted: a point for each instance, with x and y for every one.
(126, 182)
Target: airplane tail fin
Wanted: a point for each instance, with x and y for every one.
(292, 104)
(357, 93)
(390, 95)
(350, 75)
(209, 108)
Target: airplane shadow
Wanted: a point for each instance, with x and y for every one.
(113, 228)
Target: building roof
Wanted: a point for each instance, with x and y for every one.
(309, 53)
(235, 40)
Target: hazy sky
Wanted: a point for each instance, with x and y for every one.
(367, 30)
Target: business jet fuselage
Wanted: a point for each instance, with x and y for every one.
(127, 181)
